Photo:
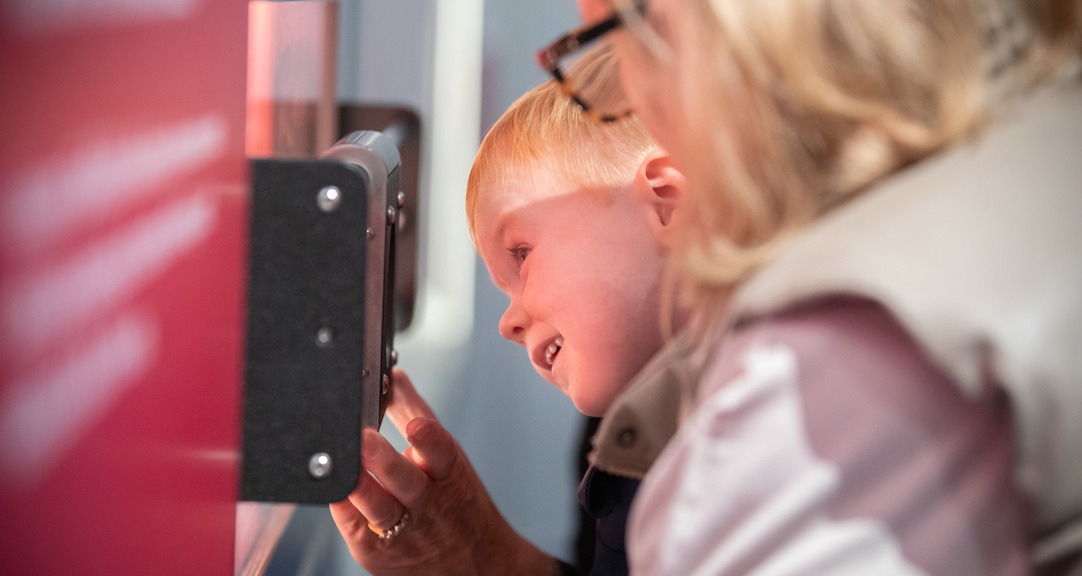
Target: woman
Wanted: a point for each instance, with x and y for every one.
(882, 237)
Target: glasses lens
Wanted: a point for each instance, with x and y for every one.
(592, 75)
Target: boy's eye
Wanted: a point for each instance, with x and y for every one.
(519, 254)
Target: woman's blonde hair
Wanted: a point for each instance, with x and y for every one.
(801, 105)
(546, 128)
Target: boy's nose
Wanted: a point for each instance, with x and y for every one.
(513, 324)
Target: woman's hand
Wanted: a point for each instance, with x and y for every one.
(453, 527)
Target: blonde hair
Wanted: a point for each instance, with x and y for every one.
(545, 127)
(802, 105)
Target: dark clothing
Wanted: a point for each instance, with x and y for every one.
(586, 532)
(607, 498)
(604, 503)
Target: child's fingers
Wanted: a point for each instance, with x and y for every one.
(406, 404)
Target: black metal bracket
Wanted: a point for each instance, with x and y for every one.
(320, 321)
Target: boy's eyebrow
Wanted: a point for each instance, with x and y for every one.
(504, 222)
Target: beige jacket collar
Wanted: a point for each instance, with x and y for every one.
(647, 414)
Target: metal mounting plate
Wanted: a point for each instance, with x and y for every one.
(305, 331)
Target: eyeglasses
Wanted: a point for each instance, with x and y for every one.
(586, 69)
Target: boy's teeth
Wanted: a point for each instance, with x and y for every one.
(552, 350)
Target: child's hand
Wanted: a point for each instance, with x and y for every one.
(453, 526)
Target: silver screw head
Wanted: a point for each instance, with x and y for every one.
(391, 213)
(386, 384)
(320, 464)
(401, 199)
(369, 233)
(329, 198)
(324, 337)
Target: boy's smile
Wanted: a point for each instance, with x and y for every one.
(582, 270)
(552, 350)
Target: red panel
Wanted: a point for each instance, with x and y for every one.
(123, 190)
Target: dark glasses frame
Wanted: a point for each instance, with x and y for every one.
(549, 58)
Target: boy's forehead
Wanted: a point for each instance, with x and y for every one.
(518, 188)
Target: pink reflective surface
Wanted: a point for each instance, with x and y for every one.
(123, 189)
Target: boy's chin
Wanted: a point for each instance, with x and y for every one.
(590, 406)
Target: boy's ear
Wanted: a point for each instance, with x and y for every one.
(661, 187)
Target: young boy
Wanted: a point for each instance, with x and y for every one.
(572, 218)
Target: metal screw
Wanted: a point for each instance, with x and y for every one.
(394, 357)
(370, 233)
(324, 336)
(329, 198)
(320, 464)
(386, 384)
(390, 214)
(401, 199)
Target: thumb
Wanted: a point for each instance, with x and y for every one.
(406, 404)
(432, 448)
